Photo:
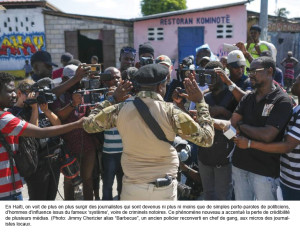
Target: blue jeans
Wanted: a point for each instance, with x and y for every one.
(111, 168)
(250, 186)
(216, 181)
(289, 194)
(14, 197)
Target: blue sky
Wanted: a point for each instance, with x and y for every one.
(131, 8)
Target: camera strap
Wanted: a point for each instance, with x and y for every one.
(149, 120)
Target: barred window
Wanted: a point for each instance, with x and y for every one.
(224, 31)
(155, 34)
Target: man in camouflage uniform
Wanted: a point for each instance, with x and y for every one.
(145, 158)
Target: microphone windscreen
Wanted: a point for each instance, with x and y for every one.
(44, 82)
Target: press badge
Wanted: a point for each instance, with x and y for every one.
(267, 109)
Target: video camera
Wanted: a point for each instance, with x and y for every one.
(146, 61)
(90, 88)
(45, 94)
(185, 67)
(91, 92)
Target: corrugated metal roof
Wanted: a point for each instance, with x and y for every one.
(182, 12)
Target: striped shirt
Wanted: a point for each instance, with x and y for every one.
(112, 139)
(12, 127)
(290, 162)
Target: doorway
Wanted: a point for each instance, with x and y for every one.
(89, 47)
(189, 38)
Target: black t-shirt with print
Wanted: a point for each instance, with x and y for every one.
(275, 109)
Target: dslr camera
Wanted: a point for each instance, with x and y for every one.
(206, 76)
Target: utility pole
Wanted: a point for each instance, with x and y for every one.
(263, 19)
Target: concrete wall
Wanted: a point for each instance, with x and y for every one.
(284, 42)
(21, 34)
(55, 26)
(237, 16)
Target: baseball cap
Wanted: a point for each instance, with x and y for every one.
(256, 28)
(152, 74)
(236, 59)
(42, 56)
(163, 59)
(66, 57)
(69, 71)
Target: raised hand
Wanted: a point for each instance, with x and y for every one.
(193, 92)
(121, 93)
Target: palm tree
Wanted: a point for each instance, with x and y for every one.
(281, 13)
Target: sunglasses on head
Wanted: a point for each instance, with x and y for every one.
(128, 50)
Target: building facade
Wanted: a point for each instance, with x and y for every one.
(22, 33)
(178, 34)
(29, 26)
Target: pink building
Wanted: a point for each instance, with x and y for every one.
(178, 34)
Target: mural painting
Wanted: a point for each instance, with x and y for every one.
(21, 46)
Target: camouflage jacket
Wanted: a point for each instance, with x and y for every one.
(105, 115)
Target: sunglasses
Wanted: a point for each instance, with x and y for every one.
(253, 72)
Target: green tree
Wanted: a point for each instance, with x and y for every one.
(150, 7)
(282, 13)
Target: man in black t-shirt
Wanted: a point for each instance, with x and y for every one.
(262, 116)
(213, 162)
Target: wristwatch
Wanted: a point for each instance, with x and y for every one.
(232, 87)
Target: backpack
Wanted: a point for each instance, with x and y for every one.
(26, 158)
